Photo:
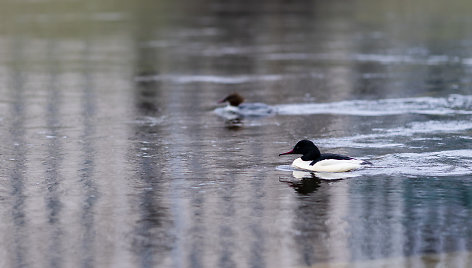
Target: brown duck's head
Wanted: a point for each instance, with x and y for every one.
(233, 99)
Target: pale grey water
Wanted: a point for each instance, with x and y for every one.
(112, 155)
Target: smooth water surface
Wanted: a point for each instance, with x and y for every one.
(112, 154)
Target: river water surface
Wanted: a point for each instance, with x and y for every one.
(112, 154)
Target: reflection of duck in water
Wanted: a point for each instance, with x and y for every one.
(237, 109)
(313, 160)
(326, 176)
(305, 185)
(305, 182)
(308, 182)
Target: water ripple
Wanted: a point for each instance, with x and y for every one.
(438, 164)
(453, 104)
(378, 58)
(394, 137)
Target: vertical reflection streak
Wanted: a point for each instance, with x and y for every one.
(151, 240)
(198, 246)
(149, 214)
(88, 164)
(257, 213)
(17, 137)
(226, 232)
(52, 163)
(198, 242)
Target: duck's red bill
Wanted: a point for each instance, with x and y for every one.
(289, 152)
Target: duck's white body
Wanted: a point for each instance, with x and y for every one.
(328, 165)
(248, 110)
(228, 112)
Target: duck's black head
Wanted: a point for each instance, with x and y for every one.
(306, 148)
(233, 99)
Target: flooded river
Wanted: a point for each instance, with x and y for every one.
(112, 153)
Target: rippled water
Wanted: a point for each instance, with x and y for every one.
(112, 154)
(451, 105)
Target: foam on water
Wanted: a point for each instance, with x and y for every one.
(186, 79)
(385, 138)
(428, 161)
(377, 58)
(430, 164)
(453, 104)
